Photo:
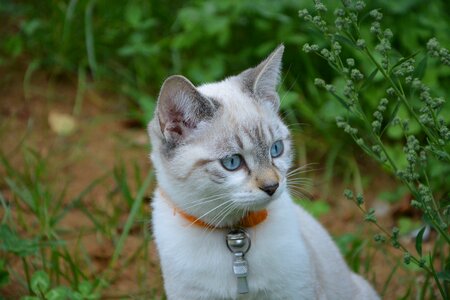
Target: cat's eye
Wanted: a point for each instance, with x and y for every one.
(232, 162)
(277, 149)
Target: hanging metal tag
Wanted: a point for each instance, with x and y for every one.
(239, 243)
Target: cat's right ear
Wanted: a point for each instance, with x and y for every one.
(181, 108)
(263, 79)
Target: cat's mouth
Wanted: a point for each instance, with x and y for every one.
(252, 203)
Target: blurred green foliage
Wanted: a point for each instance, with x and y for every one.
(130, 47)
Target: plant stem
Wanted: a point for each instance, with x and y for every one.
(400, 95)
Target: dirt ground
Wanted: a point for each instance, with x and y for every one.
(103, 137)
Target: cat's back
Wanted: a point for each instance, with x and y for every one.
(336, 279)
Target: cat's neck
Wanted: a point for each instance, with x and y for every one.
(250, 219)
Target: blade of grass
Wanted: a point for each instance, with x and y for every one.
(120, 176)
(16, 148)
(55, 268)
(78, 199)
(131, 218)
(23, 193)
(388, 280)
(58, 201)
(128, 224)
(436, 279)
(89, 33)
(423, 290)
(27, 273)
(6, 209)
(137, 174)
(80, 91)
(32, 67)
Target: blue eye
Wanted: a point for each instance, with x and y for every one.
(232, 162)
(277, 149)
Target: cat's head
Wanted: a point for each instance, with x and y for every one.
(221, 149)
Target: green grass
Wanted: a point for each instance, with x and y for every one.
(54, 260)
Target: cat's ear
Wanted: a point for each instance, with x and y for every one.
(181, 108)
(263, 79)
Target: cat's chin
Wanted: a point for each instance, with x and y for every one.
(256, 204)
(250, 202)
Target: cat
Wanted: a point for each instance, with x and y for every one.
(221, 155)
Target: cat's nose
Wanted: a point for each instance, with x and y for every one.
(270, 189)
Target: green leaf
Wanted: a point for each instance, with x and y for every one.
(370, 216)
(402, 60)
(391, 118)
(11, 242)
(341, 100)
(369, 79)
(58, 293)
(13, 45)
(76, 296)
(444, 275)
(344, 40)
(40, 282)
(133, 15)
(85, 288)
(419, 238)
(30, 27)
(419, 72)
(4, 274)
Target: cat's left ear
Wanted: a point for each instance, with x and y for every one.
(181, 107)
(263, 79)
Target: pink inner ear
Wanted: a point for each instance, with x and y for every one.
(174, 127)
(175, 122)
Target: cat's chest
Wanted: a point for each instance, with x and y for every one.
(198, 262)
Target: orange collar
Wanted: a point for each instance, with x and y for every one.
(251, 219)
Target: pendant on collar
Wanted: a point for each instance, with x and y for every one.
(239, 243)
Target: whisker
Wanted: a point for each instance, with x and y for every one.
(300, 193)
(222, 214)
(209, 197)
(228, 212)
(303, 169)
(299, 186)
(300, 182)
(202, 201)
(299, 179)
(210, 211)
(296, 126)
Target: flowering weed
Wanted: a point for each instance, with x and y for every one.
(401, 78)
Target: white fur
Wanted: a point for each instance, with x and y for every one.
(292, 256)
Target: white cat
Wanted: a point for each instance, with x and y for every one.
(221, 155)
